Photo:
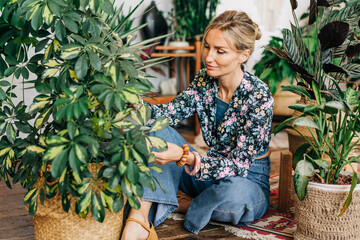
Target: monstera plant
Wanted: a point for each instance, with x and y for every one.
(86, 110)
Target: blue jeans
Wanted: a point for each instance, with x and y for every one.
(236, 200)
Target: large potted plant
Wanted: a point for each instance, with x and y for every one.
(330, 116)
(81, 147)
(325, 208)
(320, 51)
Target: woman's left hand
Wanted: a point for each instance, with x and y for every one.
(172, 154)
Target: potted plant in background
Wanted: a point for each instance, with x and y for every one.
(81, 147)
(275, 72)
(189, 19)
(330, 115)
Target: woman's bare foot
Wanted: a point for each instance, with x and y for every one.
(134, 231)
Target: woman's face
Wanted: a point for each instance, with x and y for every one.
(220, 59)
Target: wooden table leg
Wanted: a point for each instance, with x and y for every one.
(284, 203)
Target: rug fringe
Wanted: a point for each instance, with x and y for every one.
(176, 216)
(247, 234)
(234, 230)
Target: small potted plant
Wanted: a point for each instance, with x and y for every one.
(81, 148)
(330, 116)
(189, 19)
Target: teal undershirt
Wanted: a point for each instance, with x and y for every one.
(221, 108)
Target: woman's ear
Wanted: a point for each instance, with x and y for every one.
(244, 56)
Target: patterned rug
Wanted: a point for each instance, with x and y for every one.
(273, 225)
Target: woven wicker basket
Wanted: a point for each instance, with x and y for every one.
(52, 222)
(315, 216)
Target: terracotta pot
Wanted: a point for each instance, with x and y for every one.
(282, 101)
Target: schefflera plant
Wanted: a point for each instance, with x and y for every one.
(87, 113)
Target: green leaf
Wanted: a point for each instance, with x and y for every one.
(94, 60)
(158, 143)
(36, 106)
(70, 51)
(107, 6)
(29, 195)
(52, 152)
(71, 127)
(36, 20)
(349, 198)
(305, 168)
(118, 203)
(132, 172)
(160, 123)
(81, 67)
(322, 163)
(300, 185)
(60, 31)
(126, 187)
(305, 122)
(73, 161)
(81, 153)
(134, 202)
(109, 172)
(70, 24)
(296, 89)
(10, 133)
(317, 93)
(299, 153)
(47, 15)
(85, 201)
(55, 139)
(131, 97)
(291, 48)
(97, 208)
(145, 113)
(59, 163)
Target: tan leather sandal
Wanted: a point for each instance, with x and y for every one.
(151, 230)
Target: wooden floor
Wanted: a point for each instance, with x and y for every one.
(16, 224)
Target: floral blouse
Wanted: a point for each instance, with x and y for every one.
(244, 131)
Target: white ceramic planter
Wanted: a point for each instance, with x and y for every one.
(179, 44)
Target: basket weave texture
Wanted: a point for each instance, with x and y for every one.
(315, 216)
(52, 222)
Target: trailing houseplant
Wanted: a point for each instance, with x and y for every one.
(86, 111)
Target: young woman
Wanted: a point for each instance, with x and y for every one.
(231, 183)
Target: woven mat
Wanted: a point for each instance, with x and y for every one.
(273, 225)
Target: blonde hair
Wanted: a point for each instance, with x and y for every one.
(239, 27)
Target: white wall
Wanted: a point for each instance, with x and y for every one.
(270, 15)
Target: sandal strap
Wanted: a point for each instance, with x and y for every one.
(139, 222)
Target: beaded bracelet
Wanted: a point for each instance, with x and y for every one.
(183, 159)
(197, 165)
